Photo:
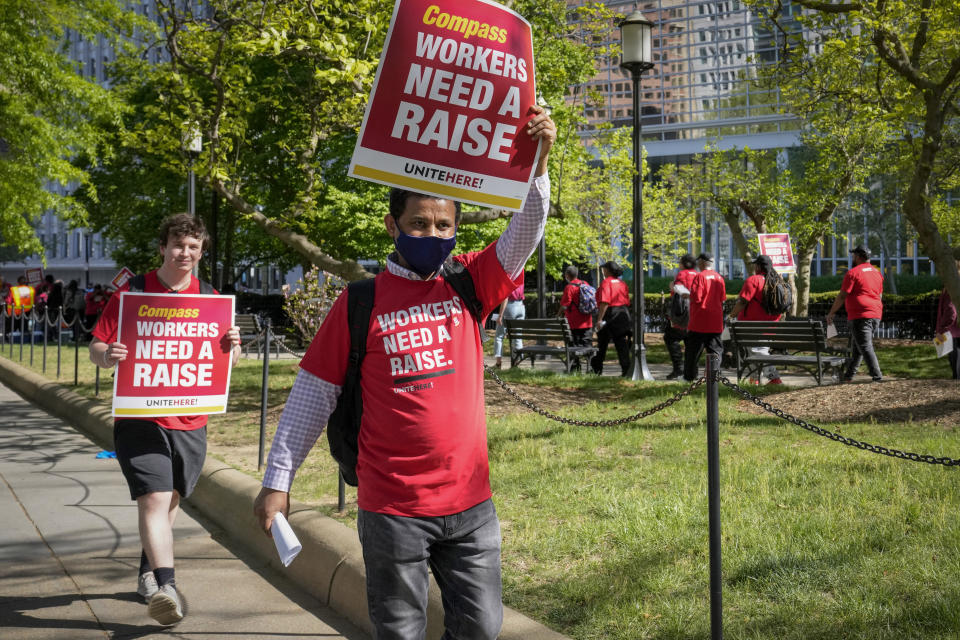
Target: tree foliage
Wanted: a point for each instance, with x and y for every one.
(49, 110)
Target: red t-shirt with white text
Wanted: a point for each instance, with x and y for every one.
(707, 294)
(423, 436)
(106, 330)
(614, 292)
(863, 285)
(752, 292)
(570, 301)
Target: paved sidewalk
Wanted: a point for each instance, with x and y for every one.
(69, 553)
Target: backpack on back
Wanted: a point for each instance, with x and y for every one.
(777, 297)
(588, 299)
(343, 425)
(678, 311)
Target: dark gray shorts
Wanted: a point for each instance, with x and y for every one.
(156, 459)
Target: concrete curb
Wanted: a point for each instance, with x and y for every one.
(330, 565)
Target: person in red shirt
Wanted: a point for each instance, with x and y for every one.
(674, 334)
(707, 295)
(423, 492)
(580, 323)
(860, 295)
(613, 319)
(161, 458)
(749, 306)
(512, 307)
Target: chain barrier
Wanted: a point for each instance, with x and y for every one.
(595, 423)
(836, 437)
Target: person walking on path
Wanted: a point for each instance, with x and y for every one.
(860, 294)
(707, 295)
(580, 323)
(947, 322)
(675, 333)
(423, 491)
(161, 458)
(749, 306)
(511, 307)
(613, 319)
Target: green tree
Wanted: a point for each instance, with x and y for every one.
(278, 91)
(49, 111)
(894, 66)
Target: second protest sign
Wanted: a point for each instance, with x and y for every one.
(178, 362)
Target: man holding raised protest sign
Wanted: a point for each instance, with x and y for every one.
(423, 476)
(176, 372)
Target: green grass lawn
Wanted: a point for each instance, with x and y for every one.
(605, 529)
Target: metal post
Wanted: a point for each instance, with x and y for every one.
(76, 350)
(96, 381)
(713, 494)
(263, 393)
(59, 339)
(191, 192)
(542, 278)
(23, 331)
(640, 369)
(43, 367)
(32, 323)
(341, 492)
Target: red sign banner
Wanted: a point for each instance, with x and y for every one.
(34, 276)
(449, 104)
(121, 278)
(777, 247)
(178, 362)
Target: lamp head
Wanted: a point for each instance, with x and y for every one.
(636, 40)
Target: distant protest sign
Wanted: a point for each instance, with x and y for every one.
(33, 276)
(121, 278)
(450, 103)
(777, 247)
(177, 361)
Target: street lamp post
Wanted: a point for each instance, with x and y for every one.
(193, 142)
(635, 38)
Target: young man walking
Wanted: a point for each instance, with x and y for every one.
(707, 295)
(424, 490)
(860, 294)
(161, 458)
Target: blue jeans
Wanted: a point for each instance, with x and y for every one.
(514, 310)
(463, 552)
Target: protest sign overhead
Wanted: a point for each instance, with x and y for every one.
(34, 276)
(121, 278)
(178, 362)
(450, 102)
(777, 247)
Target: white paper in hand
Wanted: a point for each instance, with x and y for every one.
(831, 330)
(286, 540)
(943, 343)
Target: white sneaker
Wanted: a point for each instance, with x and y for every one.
(164, 606)
(146, 586)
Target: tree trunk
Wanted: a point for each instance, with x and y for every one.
(736, 233)
(804, 257)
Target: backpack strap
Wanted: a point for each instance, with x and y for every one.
(359, 307)
(460, 279)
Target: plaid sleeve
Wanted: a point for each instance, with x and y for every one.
(521, 236)
(309, 405)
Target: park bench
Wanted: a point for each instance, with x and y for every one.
(545, 337)
(800, 343)
(250, 331)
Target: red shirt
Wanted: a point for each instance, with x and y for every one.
(685, 278)
(423, 436)
(570, 303)
(863, 285)
(614, 292)
(106, 330)
(752, 293)
(707, 294)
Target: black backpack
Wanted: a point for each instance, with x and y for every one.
(777, 295)
(137, 283)
(343, 426)
(678, 311)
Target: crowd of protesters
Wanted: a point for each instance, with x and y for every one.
(51, 297)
